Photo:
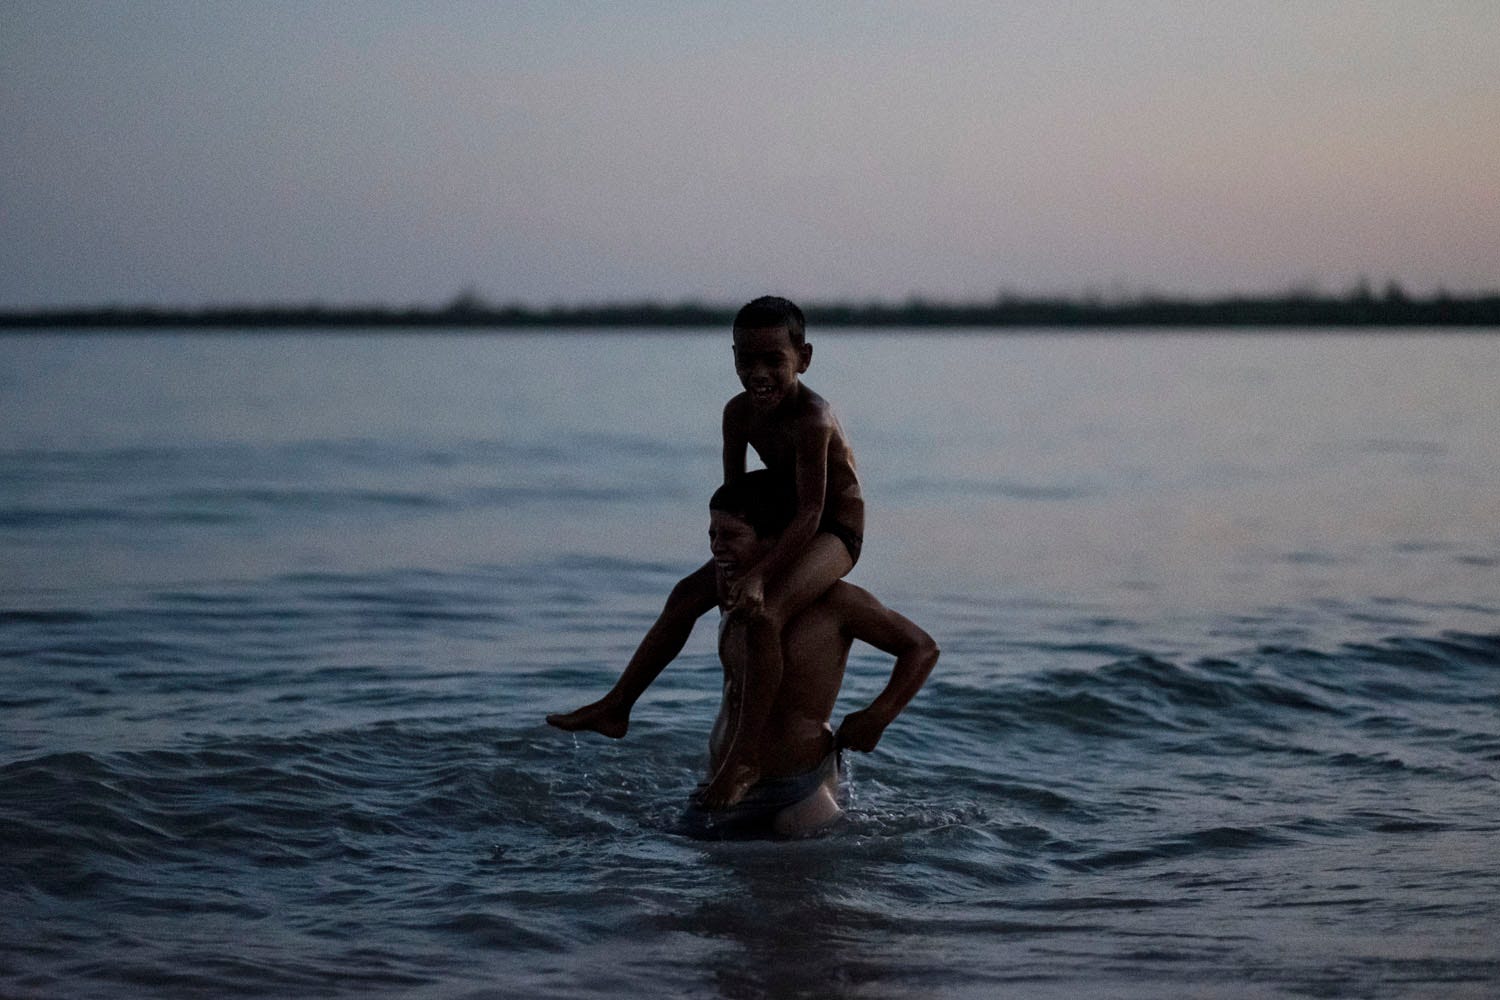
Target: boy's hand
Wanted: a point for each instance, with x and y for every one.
(749, 593)
(860, 731)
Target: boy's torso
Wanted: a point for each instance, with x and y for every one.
(797, 735)
(774, 439)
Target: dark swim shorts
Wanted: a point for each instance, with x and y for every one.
(752, 816)
(853, 540)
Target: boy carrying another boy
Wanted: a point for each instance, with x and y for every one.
(798, 754)
(796, 435)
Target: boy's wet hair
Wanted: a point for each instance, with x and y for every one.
(761, 497)
(773, 310)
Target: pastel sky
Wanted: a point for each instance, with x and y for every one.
(202, 152)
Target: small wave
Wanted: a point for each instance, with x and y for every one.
(227, 484)
(296, 498)
(54, 518)
(1140, 697)
(492, 930)
(1272, 686)
(57, 616)
(1002, 488)
(1213, 840)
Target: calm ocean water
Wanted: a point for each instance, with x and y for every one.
(1218, 713)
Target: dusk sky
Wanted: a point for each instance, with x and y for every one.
(256, 152)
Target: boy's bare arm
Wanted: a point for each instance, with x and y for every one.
(693, 597)
(812, 436)
(916, 654)
(736, 439)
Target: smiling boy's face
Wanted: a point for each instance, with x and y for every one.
(768, 364)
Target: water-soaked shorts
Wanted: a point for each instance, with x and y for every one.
(753, 816)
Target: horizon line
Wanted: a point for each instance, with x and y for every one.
(1359, 306)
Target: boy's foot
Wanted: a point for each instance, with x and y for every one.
(601, 717)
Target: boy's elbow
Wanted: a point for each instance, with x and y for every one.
(924, 649)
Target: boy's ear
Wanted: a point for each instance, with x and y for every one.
(804, 358)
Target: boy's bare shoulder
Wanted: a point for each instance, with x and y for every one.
(860, 615)
(844, 597)
(738, 407)
(813, 399)
(814, 409)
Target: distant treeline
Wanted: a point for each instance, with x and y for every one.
(1360, 308)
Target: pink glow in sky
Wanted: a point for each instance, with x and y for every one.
(185, 153)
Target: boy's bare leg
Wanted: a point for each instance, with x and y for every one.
(752, 640)
(692, 597)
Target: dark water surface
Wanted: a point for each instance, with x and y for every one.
(1218, 712)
